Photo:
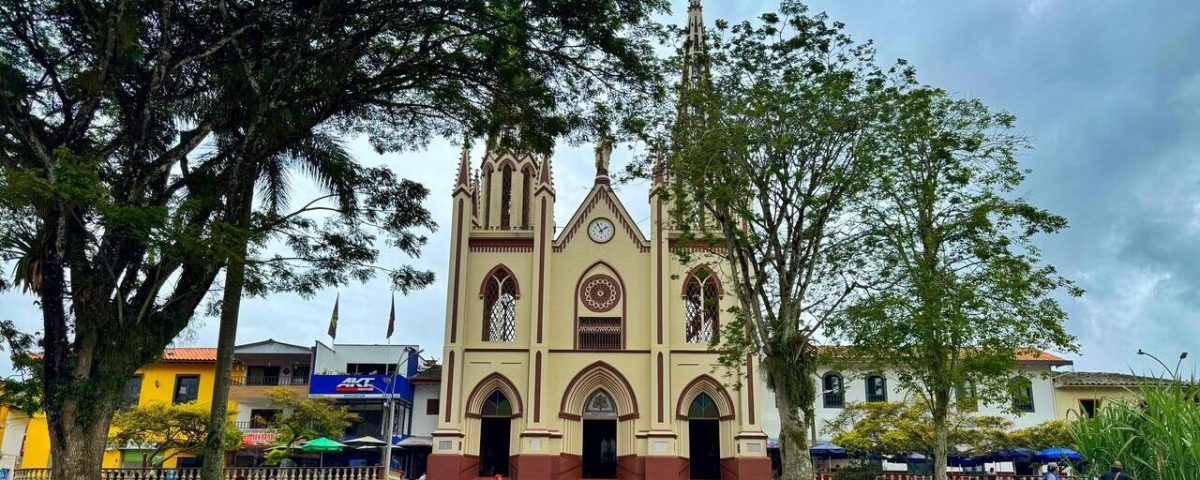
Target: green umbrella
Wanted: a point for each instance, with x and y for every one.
(322, 445)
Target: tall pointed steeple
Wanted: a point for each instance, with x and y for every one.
(694, 70)
(464, 168)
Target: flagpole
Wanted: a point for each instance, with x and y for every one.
(391, 397)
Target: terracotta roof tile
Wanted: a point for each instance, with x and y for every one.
(1102, 379)
(190, 354)
(432, 374)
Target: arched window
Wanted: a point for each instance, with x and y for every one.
(703, 408)
(499, 306)
(701, 296)
(833, 390)
(506, 197)
(487, 196)
(526, 179)
(496, 405)
(1022, 394)
(876, 388)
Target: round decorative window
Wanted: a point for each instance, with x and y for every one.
(601, 293)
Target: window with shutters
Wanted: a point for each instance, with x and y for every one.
(833, 390)
(876, 388)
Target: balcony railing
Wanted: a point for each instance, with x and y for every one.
(251, 426)
(257, 381)
(229, 473)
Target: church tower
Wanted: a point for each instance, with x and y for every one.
(583, 354)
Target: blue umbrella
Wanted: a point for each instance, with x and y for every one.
(1011, 454)
(827, 450)
(1056, 454)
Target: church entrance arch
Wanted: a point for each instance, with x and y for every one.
(599, 436)
(495, 429)
(704, 436)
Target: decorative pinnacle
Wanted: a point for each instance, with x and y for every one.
(544, 177)
(464, 167)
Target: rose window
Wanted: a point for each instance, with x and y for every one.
(601, 293)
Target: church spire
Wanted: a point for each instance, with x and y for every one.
(464, 168)
(694, 46)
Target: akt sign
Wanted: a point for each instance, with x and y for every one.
(359, 386)
(356, 385)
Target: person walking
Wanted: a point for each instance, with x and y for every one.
(1117, 472)
(1051, 472)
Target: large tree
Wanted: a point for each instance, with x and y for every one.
(962, 288)
(133, 135)
(165, 430)
(899, 428)
(767, 151)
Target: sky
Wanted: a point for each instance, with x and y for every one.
(1107, 92)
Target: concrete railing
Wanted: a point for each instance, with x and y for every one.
(230, 473)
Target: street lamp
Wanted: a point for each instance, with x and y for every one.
(1174, 373)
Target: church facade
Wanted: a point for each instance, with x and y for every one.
(583, 354)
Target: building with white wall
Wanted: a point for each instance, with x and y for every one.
(1039, 406)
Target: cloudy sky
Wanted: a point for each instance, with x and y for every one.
(1108, 92)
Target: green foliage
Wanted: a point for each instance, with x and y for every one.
(1048, 434)
(864, 470)
(1156, 437)
(759, 161)
(302, 417)
(131, 133)
(900, 428)
(957, 286)
(167, 430)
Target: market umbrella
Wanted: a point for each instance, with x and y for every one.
(322, 445)
(827, 450)
(1010, 454)
(367, 441)
(1056, 454)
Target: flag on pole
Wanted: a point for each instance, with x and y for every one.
(392, 318)
(333, 319)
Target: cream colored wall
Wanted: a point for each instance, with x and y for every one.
(1066, 399)
(626, 258)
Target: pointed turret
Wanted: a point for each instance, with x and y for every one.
(464, 169)
(545, 177)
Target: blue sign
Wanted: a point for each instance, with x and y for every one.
(360, 386)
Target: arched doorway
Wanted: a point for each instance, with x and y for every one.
(599, 436)
(704, 438)
(495, 429)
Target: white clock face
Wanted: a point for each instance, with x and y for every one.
(601, 230)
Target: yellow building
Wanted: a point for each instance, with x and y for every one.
(1080, 394)
(583, 354)
(183, 375)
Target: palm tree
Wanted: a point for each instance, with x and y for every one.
(322, 158)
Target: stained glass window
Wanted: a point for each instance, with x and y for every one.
(600, 405)
(703, 407)
(496, 405)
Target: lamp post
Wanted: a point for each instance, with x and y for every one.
(390, 429)
(1174, 373)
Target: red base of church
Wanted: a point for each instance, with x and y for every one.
(568, 467)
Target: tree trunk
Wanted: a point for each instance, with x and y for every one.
(793, 432)
(77, 451)
(941, 445)
(235, 279)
